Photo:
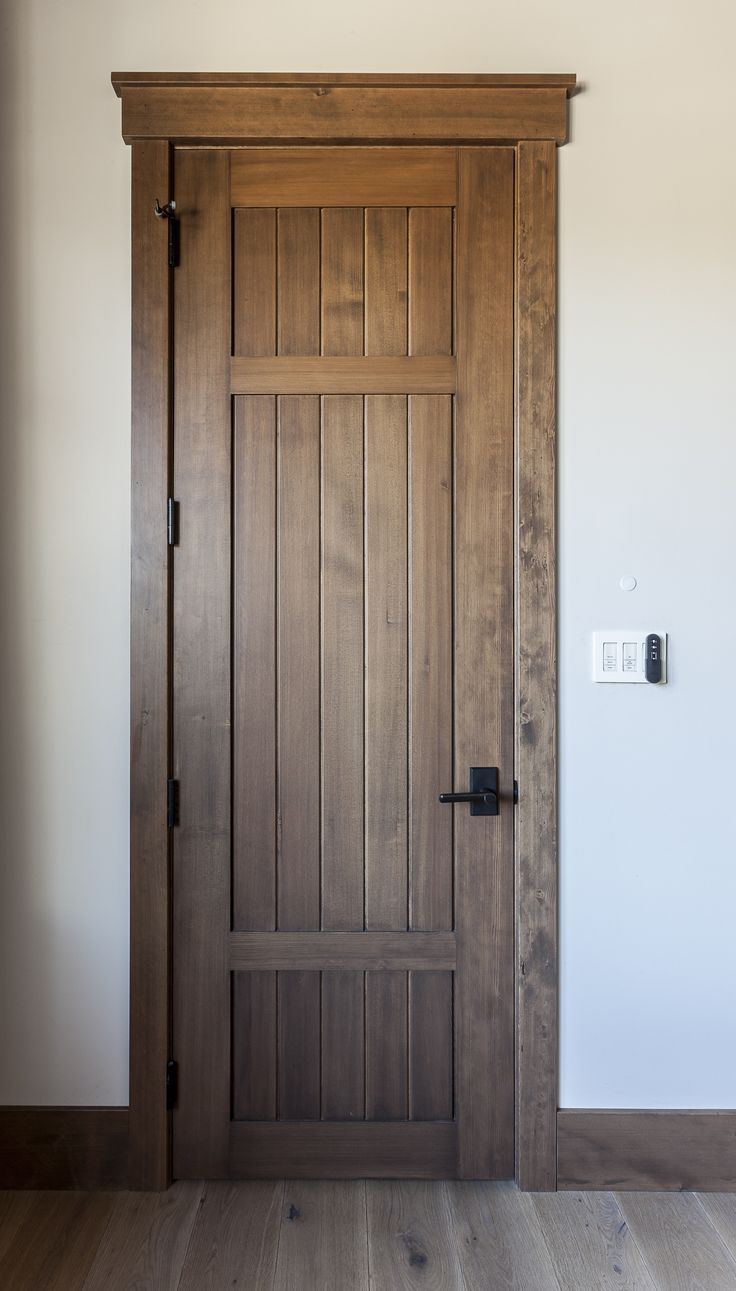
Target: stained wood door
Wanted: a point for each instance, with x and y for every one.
(342, 638)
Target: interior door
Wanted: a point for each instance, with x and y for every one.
(342, 639)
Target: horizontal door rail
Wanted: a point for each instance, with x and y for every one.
(433, 375)
(343, 1150)
(343, 177)
(250, 951)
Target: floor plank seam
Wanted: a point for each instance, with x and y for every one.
(192, 1230)
(714, 1225)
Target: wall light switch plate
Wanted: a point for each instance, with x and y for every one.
(619, 655)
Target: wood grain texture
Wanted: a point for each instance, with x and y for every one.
(682, 1249)
(342, 280)
(499, 1239)
(254, 282)
(297, 317)
(386, 1046)
(344, 177)
(536, 668)
(386, 285)
(647, 1150)
(322, 1241)
(340, 375)
(254, 664)
(239, 113)
(341, 689)
(63, 1147)
(299, 1046)
(430, 1047)
(721, 1211)
(235, 1237)
(410, 1238)
(146, 1240)
(52, 1240)
(430, 661)
(431, 279)
(484, 713)
(150, 951)
(343, 1150)
(202, 626)
(348, 950)
(590, 1239)
(386, 644)
(254, 1046)
(343, 1046)
(298, 666)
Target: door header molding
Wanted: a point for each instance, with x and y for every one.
(299, 107)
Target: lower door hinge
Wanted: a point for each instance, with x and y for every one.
(172, 803)
(167, 212)
(172, 1084)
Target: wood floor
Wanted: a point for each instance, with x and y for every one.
(374, 1236)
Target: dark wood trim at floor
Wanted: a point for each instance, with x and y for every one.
(670, 1151)
(63, 1147)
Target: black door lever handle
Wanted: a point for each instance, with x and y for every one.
(482, 793)
(488, 797)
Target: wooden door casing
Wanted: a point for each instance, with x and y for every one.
(343, 597)
(164, 113)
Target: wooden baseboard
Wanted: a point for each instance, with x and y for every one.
(671, 1151)
(63, 1147)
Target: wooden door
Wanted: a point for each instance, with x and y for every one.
(342, 636)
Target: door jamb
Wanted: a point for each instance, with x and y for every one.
(535, 622)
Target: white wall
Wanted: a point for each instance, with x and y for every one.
(647, 454)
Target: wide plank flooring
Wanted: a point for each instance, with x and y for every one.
(366, 1236)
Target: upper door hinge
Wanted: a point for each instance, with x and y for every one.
(172, 522)
(167, 213)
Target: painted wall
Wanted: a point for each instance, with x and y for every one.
(647, 457)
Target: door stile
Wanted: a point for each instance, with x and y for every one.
(484, 697)
(202, 665)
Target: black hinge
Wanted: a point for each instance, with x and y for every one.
(172, 522)
(172, 1084)
(516, 790)
(172, 803)
(167, 213)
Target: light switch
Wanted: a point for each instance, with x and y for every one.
(620, 655)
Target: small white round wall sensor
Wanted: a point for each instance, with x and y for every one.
(627, 583)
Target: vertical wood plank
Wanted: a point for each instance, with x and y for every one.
(254, 665)
(254, 1046)
(254, 285)
(484, 709)
(536, 680)
(431, 680)
(386, 1046)
(299, 1046)
(150, 673)
(386, 876)
(385, 280)
(342, 663)
(430, 1046)
(430, 280)
(298, 668)
(298, 313)
(342, 280)
(343, 1054)
(202, 700)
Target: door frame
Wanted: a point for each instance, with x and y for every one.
(163, 111)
